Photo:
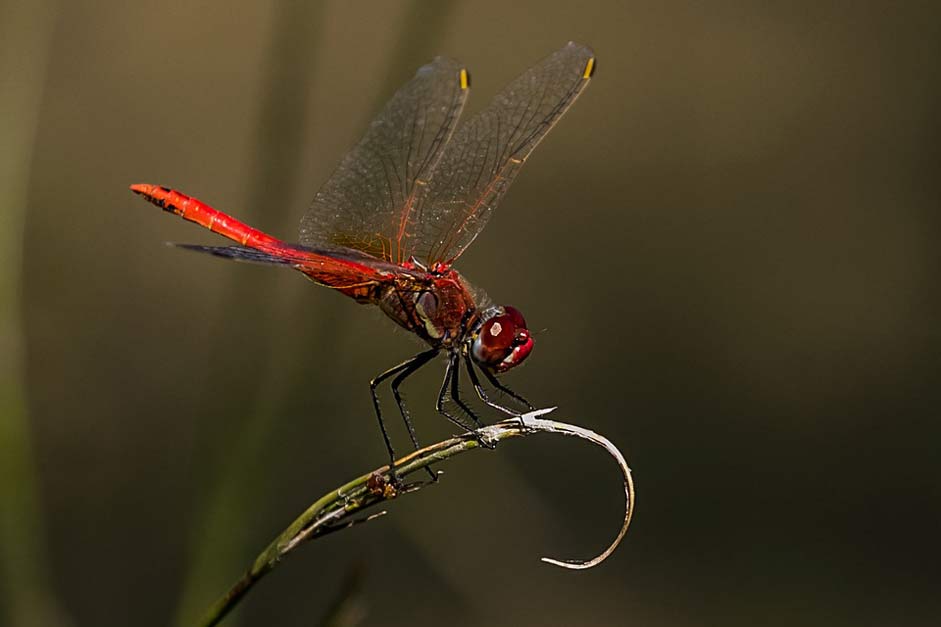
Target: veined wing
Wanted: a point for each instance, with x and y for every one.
(486, 153)
(369, 202)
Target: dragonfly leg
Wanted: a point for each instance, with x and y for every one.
(456, 393)
(493, 380)
(443, 396)
(406, 368)
(456, 396)
(414, 364)
(496, 383)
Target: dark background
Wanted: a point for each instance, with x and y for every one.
(730, 241)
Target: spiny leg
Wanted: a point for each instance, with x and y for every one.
(416, 363)
(481, 393)
(493, 380)
(496, 383)
(450, 381)
(405, 365)
(456, 393)
(443, 397)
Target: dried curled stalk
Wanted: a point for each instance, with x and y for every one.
(337, 510)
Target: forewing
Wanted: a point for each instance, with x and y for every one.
(368, 204)
(486, 153)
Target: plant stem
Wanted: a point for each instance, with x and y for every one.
(27, 598)
(337, 509)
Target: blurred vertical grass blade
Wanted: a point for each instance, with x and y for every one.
(26, 597)
(217, 545)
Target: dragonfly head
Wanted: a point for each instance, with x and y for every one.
(502, 341)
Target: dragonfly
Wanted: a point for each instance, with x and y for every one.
(401, 208)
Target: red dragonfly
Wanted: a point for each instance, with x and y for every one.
(404, 204)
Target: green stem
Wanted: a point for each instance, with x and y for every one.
(26, 593)
(337, 509)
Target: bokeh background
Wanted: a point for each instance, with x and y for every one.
(729, 240)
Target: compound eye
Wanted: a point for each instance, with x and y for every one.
(514, 314)
(497, 333)
(494, 340)
(503, 341)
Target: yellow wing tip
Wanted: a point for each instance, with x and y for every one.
(465, 79)
(589, 68)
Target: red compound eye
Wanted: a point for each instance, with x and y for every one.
(514, 314)
(503, 341)
(497, 333)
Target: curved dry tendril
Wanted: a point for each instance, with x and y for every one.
(534, 424)
(551, 426)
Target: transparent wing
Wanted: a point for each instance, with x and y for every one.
(486, 153)
(369, 202)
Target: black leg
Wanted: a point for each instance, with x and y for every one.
(406, 367)
(456, 393)
(416, 363)
(451, 379)
(443, 395)
(483, 394)
(496, 383)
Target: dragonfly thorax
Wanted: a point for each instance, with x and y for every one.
(439, 308)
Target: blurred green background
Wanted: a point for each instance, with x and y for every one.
(730, 240)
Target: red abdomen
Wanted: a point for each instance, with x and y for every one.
(350, 272)
(194, 210)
